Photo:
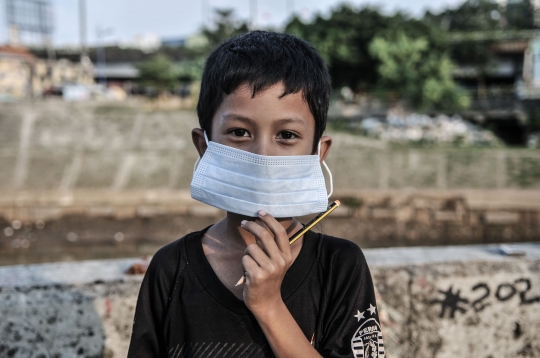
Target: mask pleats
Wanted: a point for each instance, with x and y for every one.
(242, 182)
(265, 185)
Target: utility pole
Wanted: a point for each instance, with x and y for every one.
(204, 12)
(253, 14)
(101, 61)
(82, 30)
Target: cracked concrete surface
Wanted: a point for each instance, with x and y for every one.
(460, 301)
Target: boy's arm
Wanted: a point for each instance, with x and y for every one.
(283, 333)
(147, 339)
(265, 265)
(349, 323)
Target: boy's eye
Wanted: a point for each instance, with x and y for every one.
(286, 135)
(240, 132)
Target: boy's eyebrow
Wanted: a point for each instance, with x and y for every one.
(248, 120)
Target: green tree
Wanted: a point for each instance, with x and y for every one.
(485, 16)
(471, 15)
(225, 26)
(519, 14)
(158, 73)
(343, 39)
(422, 76)
(190, 70)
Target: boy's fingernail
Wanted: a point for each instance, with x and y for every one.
(262, 213)
(244, 222)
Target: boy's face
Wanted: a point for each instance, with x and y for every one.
(265, 124)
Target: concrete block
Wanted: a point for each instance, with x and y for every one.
(460, 301)
(125, 212)
(447, 216)
(362, 213)
(100, 211)
(22, 213)
(204, 211)
(150, 211)
(405, 213)
(475, 218)
(342, 212)
(7, 213)
(381, 214)
(423, 216)
(74, 211)
(501, 217)
(457, 301)
(49, 321)
(177, 209)
(46, 213)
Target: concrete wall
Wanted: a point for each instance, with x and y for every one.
(53, 145)
(80, 309)
(460, 301)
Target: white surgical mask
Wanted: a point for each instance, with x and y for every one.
(244, 183)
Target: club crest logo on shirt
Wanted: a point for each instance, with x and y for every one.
(367, 341)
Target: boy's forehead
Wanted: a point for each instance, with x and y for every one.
(268, 103)
(276, 90)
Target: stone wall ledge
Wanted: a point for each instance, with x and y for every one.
(113, 270)
(433, 302)
(500, 206)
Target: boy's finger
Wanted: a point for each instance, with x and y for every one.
(264, 237)
(261, 223)
(258, 255)
(280, 234)
(249, 265)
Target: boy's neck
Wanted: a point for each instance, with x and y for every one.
(235, 237)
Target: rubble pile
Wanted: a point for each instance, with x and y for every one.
(423, 128)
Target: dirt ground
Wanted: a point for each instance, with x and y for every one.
(85, 238)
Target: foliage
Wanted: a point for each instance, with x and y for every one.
(520, 14)
(159, 73)
(485, 16)
(225, 27)
(190, 70)
(471, 15)
(421, 75)
(343, 40)
(367, 51)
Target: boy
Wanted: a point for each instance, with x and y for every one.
(262, 110)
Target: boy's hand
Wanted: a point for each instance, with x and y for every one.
(265, 263)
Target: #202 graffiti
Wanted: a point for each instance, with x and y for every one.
(452, 301)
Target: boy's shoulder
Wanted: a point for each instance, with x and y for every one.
(339, 252)
(171, 257)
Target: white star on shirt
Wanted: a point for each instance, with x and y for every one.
(359, 315)
(372, 309)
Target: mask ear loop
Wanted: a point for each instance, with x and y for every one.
(327, 169)
(199, 158)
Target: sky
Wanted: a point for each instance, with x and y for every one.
(125, 19)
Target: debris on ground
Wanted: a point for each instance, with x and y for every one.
(423, 128)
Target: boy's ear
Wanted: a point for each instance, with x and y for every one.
(326, 143)
(197, 135)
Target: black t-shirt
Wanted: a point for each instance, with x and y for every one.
(184, 310)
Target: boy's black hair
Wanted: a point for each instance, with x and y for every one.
(261, 59)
